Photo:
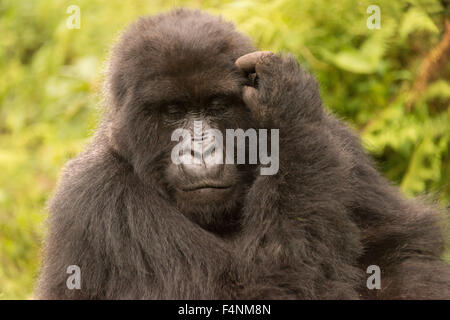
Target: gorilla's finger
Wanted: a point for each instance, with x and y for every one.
(247, 62)
(250, 97)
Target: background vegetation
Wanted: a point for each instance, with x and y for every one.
(391, 84)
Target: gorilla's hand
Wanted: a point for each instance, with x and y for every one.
(283, 91)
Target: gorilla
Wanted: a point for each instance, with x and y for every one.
(139, 226)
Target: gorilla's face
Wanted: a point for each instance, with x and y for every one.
(165, 76)
(208, 190)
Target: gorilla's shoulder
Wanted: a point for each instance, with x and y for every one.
(95, 167)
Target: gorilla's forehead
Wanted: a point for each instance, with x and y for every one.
(196, 73)
(184, 53)
(183, 39)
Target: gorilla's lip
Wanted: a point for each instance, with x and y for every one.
(196, 187)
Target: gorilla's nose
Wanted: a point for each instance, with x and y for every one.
(204, 158)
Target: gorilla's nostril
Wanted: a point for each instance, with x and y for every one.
(210, 150)
(196, 154)
(200, 137)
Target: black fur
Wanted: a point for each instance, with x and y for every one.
(308, 232)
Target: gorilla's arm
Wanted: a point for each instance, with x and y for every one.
(78, 227)
(326, 185)
(402, 236)
(128, 241)
(307, 199)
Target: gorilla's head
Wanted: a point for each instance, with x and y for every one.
(165, 73)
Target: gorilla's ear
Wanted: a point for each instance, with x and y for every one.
(116, 132)
(111, 138)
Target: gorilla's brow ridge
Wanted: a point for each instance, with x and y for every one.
(168, 91)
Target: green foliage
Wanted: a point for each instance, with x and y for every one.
(50, 85)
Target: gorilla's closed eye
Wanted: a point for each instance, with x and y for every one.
(174, 110)
(222, 103)
(216, 106)
(224, 99)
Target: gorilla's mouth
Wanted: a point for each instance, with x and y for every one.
(206, 186)
(205, 192)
